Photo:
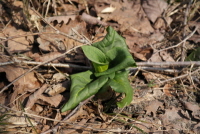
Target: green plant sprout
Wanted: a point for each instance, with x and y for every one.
(110, 58)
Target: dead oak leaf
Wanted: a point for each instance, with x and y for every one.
(56, 42)
(154, 8)
(153, 107)
(194, 108)
(27, 83)
(172, 119)
(20, 43)
(130, 16)
(55, 100)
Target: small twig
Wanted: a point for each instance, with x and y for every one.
(178, 77)
(155, 69)
(54, 129)
(189, 36)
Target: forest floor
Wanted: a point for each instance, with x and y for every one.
(163, 37)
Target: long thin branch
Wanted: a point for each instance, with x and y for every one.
(20, 62)
(139, 64)
(169, 64)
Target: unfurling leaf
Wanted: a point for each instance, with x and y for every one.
(115, 48)
(98, 58)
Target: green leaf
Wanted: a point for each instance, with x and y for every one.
(83, 86)
(121, 84)
(194, 56)
(111, 40)
(95, 55)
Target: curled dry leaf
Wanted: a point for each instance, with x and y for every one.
(58, 117)
(58, 77)
(58, 88)
(108, 9)
(195, 38)
(154, 8)
(35, 96)
(54, 100)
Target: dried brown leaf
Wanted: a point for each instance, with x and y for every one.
(132, 18)
(172, 120)
(26, 83)
(161, 56)
(54, 100)
(166, 89)
(153, 107)
(18, 44)
(57, 88)
(154, 8)
(194, 108)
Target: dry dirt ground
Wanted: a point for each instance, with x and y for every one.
(36, 32)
